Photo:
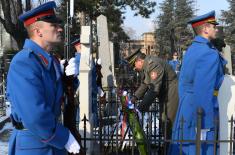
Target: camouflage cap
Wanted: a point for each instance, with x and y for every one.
(75, 40)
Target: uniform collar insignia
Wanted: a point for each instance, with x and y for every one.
(44, 60)
(42, 55)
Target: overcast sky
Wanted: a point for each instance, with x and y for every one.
(141, 25)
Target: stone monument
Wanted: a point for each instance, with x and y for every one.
(104, 51)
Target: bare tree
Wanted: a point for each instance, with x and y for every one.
(11, 10)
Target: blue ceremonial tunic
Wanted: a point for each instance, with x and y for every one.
(175, 64)
(201, 74)
(34, 88)
(77, 61)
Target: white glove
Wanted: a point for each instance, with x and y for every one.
(100, 92)
(139, 114)
(72, 145)
(72, 68)
(124, 93)
(62, 62)
(204, 133)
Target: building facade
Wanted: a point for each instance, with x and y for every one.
(147, 45)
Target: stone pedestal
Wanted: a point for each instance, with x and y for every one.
(227, 56)
(85, 85)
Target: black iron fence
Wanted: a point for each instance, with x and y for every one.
(107, 139)
(3, 105)
(107, 136)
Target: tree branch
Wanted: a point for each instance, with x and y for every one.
(6, 9)
(2, 21)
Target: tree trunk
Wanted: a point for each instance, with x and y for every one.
(11, 11)
(172, 40)
(28, 5)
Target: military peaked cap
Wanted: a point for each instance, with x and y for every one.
(44, 12)
(75, 40)
(206, 18)
(131, 59)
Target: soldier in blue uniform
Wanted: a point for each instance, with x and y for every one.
(200, 78)
(175, 63)
(34, 88)
(77, 45)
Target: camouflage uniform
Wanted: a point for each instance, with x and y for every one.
(158, 80)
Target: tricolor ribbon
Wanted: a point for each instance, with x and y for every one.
(124, 126)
